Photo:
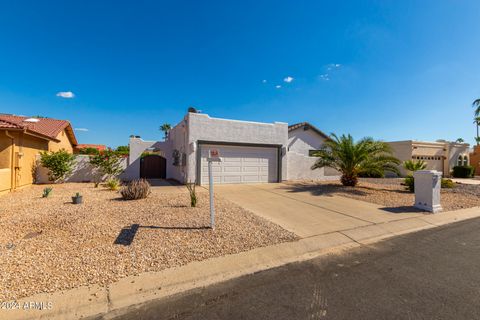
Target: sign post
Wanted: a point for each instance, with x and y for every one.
(213, 156)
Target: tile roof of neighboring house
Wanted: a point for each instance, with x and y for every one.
(307, 126)
(99, 147)
(45, 127)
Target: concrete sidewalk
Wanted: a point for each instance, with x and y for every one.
(118, 298)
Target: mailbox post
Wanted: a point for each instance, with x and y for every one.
(213, 156)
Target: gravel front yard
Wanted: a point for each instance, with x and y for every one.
(47, 244)
(390, 193)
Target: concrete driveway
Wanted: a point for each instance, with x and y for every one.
(304, 213)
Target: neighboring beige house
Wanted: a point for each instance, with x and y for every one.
(21, 141)
(441, 155)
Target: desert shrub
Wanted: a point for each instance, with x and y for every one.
(463, 172)
(113, 184)
(136, 189)
(59, 164)
(46, 192)
(447, 183)
(107, 163)
(193, 194)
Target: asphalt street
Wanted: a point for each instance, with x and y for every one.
(432, 274)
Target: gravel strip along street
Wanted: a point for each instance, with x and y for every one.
(49, 244)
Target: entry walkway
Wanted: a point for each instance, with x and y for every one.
(306, 214)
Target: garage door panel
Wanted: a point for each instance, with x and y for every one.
(241, 164)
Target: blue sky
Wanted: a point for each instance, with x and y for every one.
(393, 70)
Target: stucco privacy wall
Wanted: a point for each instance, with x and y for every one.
(82, 171)
(202, 127)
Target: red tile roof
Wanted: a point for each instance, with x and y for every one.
(99, 147)
(44, 127)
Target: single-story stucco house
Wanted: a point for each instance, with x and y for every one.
(440, 155)
(21, 141)
(251, 152)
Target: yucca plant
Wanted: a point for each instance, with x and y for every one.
(351, 158)
(46, 192)
(113, 184)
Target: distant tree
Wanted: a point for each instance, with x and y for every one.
(89, 150)
(476, 105)
(476, 121)
(460, 140)
(123, 150)
(166, 127)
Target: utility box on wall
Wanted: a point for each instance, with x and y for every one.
(427, 190)
(18, 159)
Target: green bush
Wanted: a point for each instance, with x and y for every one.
(409, 183)
(447, 183)
(59, 164)
(463, 172)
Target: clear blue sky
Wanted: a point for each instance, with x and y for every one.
(393, 70)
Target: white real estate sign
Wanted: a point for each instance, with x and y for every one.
(213, 156)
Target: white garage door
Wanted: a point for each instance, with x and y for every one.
(240, 164)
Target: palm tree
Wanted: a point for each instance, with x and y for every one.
(460, 140)
(352, 159)
(476, 121)
(165, 128)
(476, 104)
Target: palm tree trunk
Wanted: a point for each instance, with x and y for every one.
(477, 134)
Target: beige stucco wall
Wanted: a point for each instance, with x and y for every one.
(63, 144)
(27, 149)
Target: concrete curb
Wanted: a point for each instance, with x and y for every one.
(117, 298)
